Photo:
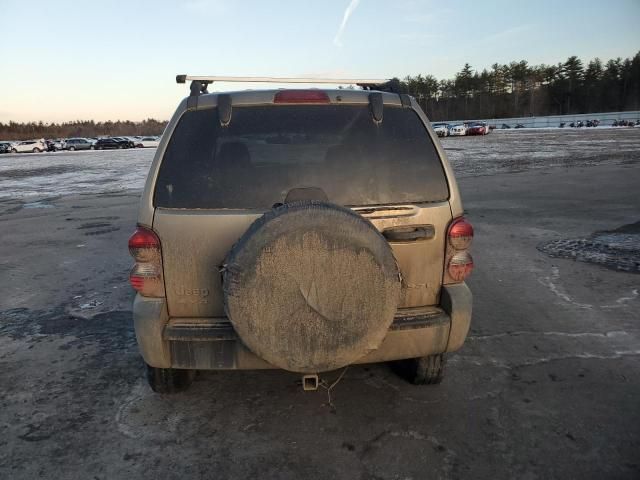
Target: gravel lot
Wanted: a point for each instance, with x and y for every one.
(547, 385)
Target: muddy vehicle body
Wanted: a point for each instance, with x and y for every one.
(300, 229)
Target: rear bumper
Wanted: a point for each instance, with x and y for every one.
(212, 343)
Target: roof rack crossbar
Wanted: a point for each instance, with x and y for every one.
(334, 81)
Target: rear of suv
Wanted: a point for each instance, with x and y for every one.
(305, 230)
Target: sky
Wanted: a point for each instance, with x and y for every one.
(115, 60)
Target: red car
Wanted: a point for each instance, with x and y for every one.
(477, 128)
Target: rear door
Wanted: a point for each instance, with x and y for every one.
(214, 181)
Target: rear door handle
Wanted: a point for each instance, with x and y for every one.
(409, 233)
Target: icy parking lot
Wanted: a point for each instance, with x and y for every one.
(505, 151)
(33, 176)
(546, 385)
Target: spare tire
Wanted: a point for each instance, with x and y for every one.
(311, 287)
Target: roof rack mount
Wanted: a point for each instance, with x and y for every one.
(335, 81)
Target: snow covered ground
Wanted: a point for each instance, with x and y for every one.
(525, 149)
(42, 175)
(30, 178)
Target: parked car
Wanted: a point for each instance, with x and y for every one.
(458, 130)
(34, 146)
(519, 125)
(505, 126)
(441, 129)
(624, 123)
(109, 143)
(306, 285)
(5, 147)
(53, 145)
(477, 128)
(133, 140)
(124, 142)
(78, 144)
(147, 142)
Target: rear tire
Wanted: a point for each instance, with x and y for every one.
(13, 150)
(427, 370)
(36, 150)
(71, 149)
(169, 380)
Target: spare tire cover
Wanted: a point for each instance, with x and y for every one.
(311, 287)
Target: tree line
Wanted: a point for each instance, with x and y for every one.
(518, 89)
(79, 128)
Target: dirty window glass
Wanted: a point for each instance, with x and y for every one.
(266, 151)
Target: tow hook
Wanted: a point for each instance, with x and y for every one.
(310, 382)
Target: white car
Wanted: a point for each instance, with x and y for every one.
(441, 129)
(458, 130)
(148, 142)
(34, 146)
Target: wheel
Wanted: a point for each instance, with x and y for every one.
(13, 150)
(71, 149)
(427, 370)
(36, 150)
(169, 380)
(98, 148)
(91, 147)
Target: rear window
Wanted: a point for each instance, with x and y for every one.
(267, 151)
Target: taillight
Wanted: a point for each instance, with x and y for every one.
(460, 234)
(301, 96)
(460, 266)
(458, 260)
(146, 275)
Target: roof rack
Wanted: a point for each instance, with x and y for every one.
(199, 83)
(336, 81)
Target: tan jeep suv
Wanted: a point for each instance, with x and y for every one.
(300, 229)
